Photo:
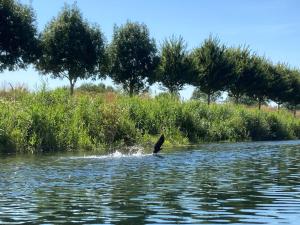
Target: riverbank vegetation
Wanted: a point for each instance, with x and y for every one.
(87, 118)
(48, 121)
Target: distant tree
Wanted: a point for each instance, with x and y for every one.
(18, 35)
(71, 48)
(175, 68)
(95, 88)
(174, 96)
(243, 99)
(133, 58)
(213, 69)
(240, 59)
(198, 94)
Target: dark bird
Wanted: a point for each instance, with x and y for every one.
(159, 143)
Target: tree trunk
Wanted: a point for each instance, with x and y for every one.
(259, 103)
(237, 98)
(130, 89)
(174, 92)
(171, 90)
(131, 86)
(72, 85)
(278, 107)
(208, 98)
(295, 111)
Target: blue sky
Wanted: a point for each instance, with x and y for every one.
(269, 27)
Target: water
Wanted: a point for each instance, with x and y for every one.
(243, 183)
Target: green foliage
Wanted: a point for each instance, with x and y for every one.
(6, 144)
(198, 94)
(279, 85)
(258, 79)
(49, 121)
(243, 99)
(71, 48)
(18, 35)
(247, 77)
(270, 126)
(240, 58)
(133, 56)
(293, 94)
(94, 88)
(175, 68)
(213, 69)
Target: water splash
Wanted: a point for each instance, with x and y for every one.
(134, 151)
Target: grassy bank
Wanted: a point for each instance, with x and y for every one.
(54, 121)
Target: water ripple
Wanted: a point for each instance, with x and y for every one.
(243, 183)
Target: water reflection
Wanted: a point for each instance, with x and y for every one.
(244, 183)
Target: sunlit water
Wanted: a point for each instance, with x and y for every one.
(243, 183)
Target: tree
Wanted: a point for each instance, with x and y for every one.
(241, 66)
(133, 58)
(95, 88)
(279, 83)
(293, 95)
(213, 69)
(71, 48)
(198, 94)
(258, 79)
(18, 35)
(243, 99)
(175, 68)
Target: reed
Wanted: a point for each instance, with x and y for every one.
(48, 121)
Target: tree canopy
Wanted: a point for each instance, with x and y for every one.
(71, 48)
(213, 69)
(133, 56)
(293, 95)
(240, 58)
(18, 35)
(258, 79)
(175, 68)
(279, 83)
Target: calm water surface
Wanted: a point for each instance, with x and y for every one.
(243, 183)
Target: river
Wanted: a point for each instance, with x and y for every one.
(240, 183)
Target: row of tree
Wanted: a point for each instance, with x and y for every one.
(69, 47)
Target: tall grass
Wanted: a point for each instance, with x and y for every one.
(53, 121)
